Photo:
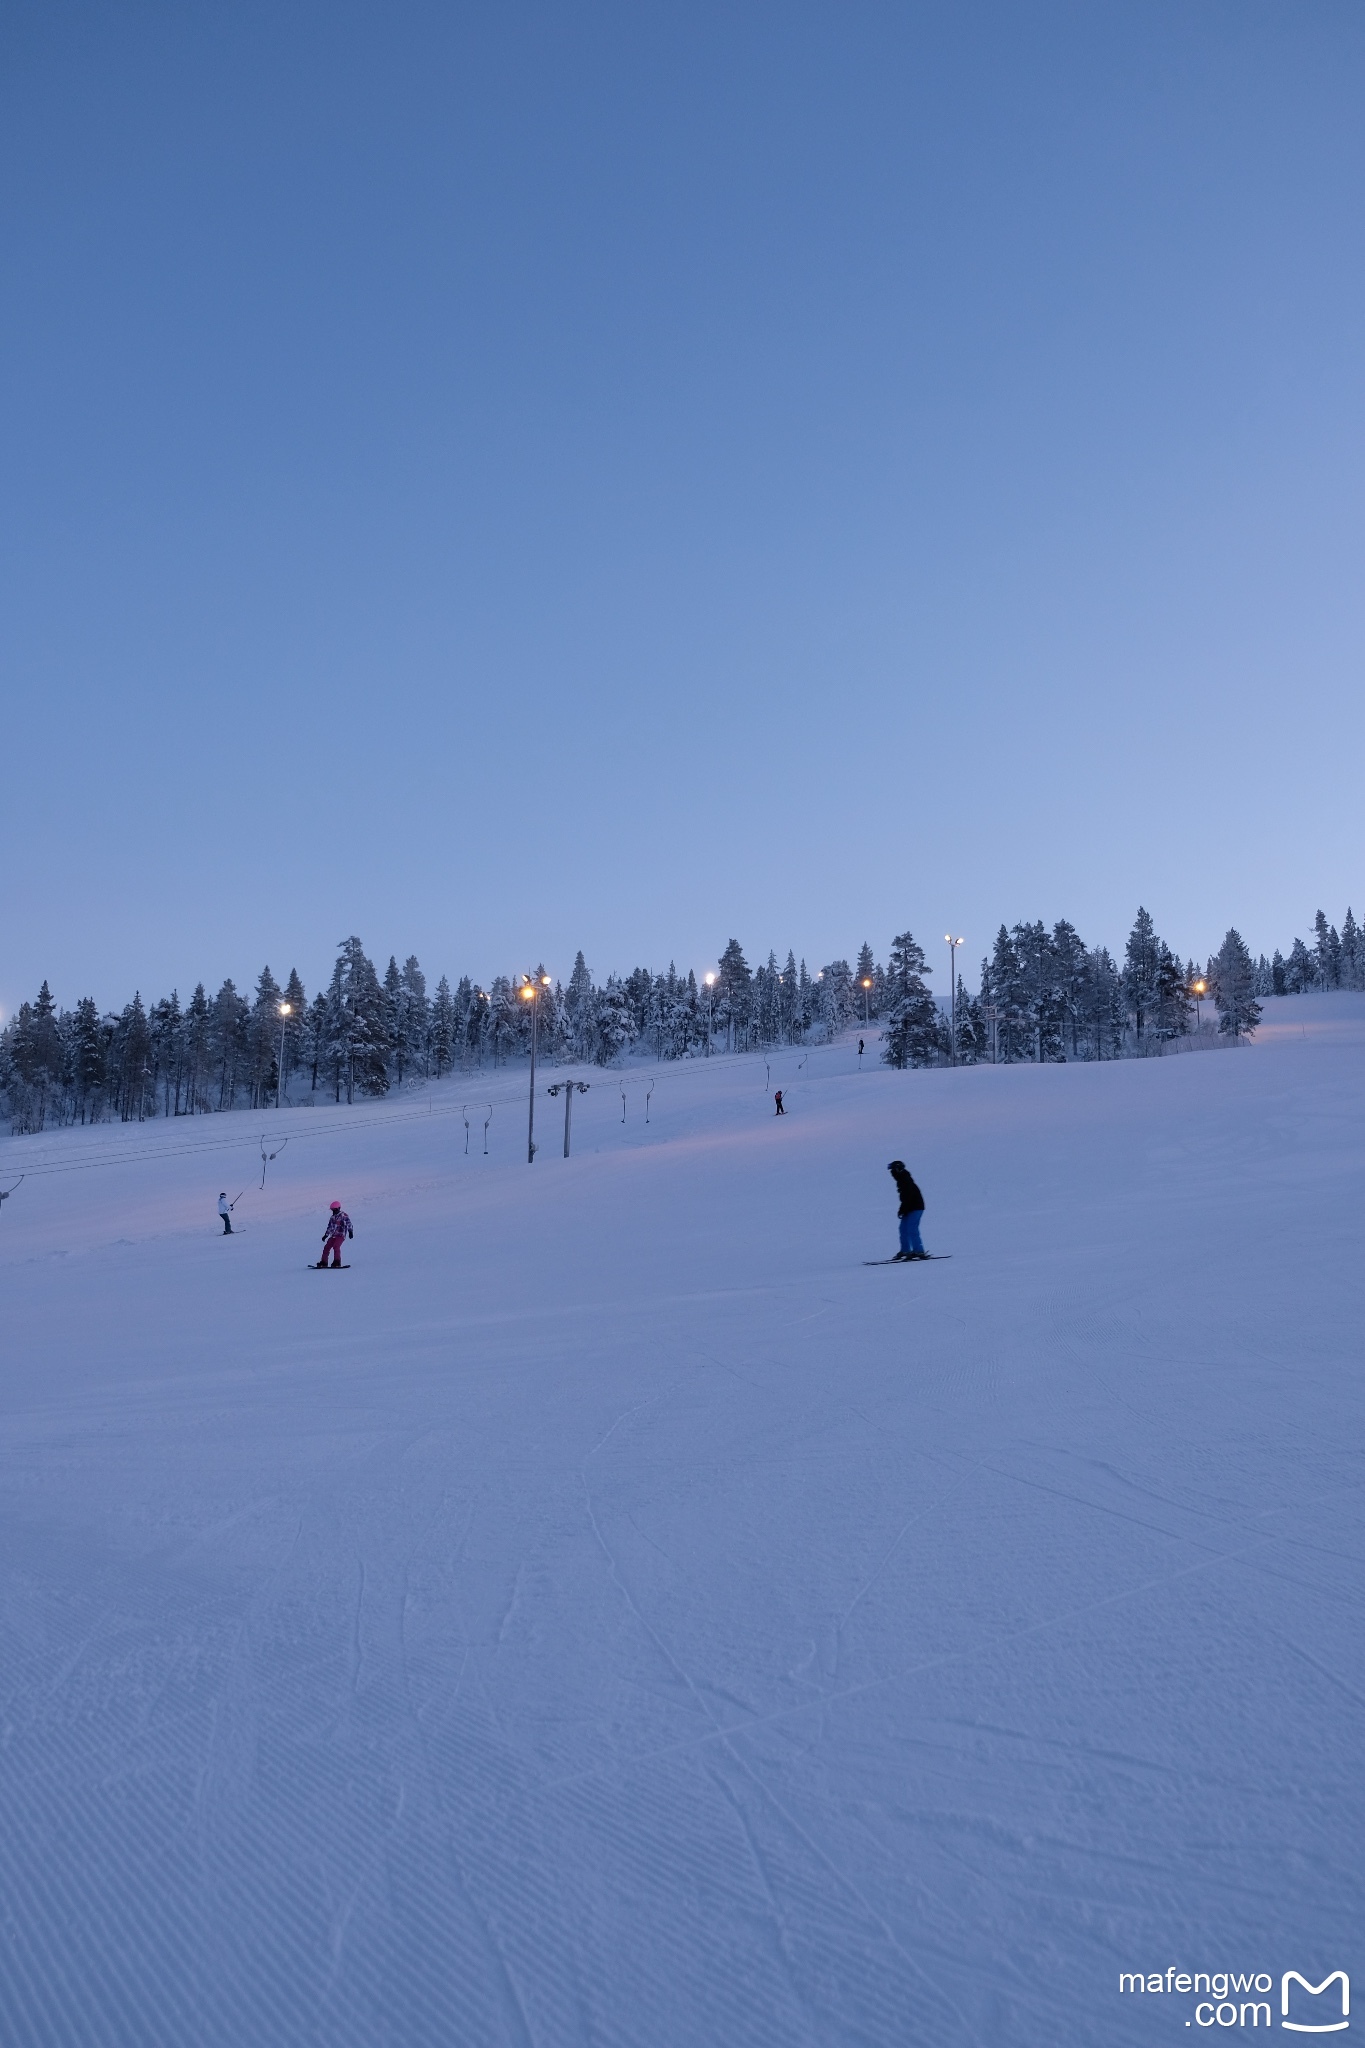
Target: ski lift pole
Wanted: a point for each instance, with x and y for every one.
(623, 1101)
(464, 1112)
(486, 1122)
(648, 1092)
(267, 1157)
(568, 1087)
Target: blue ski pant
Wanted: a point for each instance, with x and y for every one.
(910, 1231)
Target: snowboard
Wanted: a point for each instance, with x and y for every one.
(928, 1256)
(314, 1268)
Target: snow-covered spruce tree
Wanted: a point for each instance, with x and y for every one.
(416, 1027)
(166, 1023)
(913, 1037)
(1300, 970)
(580, 1011)
(359, 1040)
(1328, 949)
(85, 1053)
(263, 1039)
(971, 1028)
(295, 1025)
(733, 999)
(394, 1023)
(228, 1020)
(1141, 959)
(866, 970)
(441, 1036)
(836, 997)
(1238, 1010)
(1352, 954)
(615, 1022)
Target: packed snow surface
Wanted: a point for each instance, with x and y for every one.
(612, 1613)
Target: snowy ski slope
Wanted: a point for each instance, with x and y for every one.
(612, 1614)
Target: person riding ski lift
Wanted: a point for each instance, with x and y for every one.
(777, 1098)
(334, 1237)
(225, 1211)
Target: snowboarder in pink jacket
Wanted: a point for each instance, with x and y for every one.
(335, 1236)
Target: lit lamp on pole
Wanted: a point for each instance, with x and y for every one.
(1199, 989)
(866, 986)
(710, 981)
(286, 1011)
(530, 993)
(952, 944)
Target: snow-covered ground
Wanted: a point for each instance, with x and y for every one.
(611, 1613)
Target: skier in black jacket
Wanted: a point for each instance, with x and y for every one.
(910, 1210)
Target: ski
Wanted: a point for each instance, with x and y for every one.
(926, 1260)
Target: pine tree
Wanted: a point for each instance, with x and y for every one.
(580, 1011)
(1352, 958)
(295, 1028)
(1141, 962)
(361, 1027)
(914, 1035)
(198, 1050)
(228, 1022)
(1300, 972)
(87, 1057)
(865, 983)
(1238, 1011)
(734, 995)
(442, 1035)
(615, 1022)
(836, 997)
(416, 1021)
(1327, 950)
(264, 1038)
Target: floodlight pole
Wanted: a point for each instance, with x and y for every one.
(531, 1114)
(952, 945)
(285, 1011)
(530, 993)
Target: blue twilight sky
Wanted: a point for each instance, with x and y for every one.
(504, 479)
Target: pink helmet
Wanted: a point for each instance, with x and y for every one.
(336, 1205)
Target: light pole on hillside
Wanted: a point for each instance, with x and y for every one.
(952, 945)
(286, 1010)
(710, 980)
(1199, 989)
(866, 986)
(530, 993)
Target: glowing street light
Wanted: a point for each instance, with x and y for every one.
(952, 944)
(286, 1010)
(1199, 989)
(709, 979)
(866, 986)
(530, 993)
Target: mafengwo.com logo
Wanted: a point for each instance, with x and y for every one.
(1245, 1998)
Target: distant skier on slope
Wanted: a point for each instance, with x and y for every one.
(334, 1237)
(910, 1210)
(777, 1098)
(225, 1211)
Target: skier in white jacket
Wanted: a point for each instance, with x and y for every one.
(225, 1211)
